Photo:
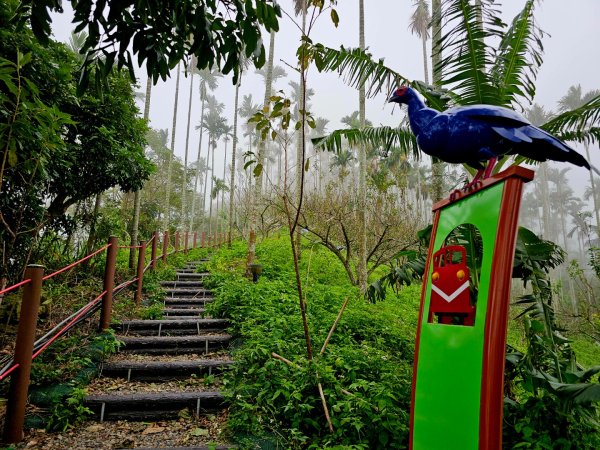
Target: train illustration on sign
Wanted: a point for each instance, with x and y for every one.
(450, 288)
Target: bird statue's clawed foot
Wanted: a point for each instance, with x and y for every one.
(473, 185)
(469, 187)
(455, 194)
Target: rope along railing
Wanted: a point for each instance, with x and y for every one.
(26, 350)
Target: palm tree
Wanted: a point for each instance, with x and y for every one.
(277, 73)
(362, 168)
(226, 138)
(247, 110)
(244, 62)
(420, 22)
(208, 82)
(260, 158)
(352, 121)
(167, 206)
(561, 198)
(574, 98)
(537, 115)
(187, 142)
(215, 125)
(219, 187)
(342, 160)
(319, 130)
(214, 109)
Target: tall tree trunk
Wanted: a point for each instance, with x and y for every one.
(362, 170)
(167, 208)
(437, 166)
(137, 198)
(92, 235)
(545, 201)
(196, 197)
(594, 192)
(425, 65)
(206, 180)
(224, 175)
(255, 198)
(187, 143)
(233, 157)
(212, 183)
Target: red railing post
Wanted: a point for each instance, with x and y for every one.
(176, 242)
(140, 273)
(109, 282)
(203, 240)
(154, 248)
(195, 239)
(19, 382)
(165, 246)
(186, 235)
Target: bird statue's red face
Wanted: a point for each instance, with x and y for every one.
(399, 95)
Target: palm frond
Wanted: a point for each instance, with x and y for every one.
(358, 69)
(377, 137)
(518, 59)
(580, 124)
(465, 69)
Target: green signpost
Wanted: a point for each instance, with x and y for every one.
(459, 357)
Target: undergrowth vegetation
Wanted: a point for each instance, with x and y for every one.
(366, 369)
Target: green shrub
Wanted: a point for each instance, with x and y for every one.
(365, 371)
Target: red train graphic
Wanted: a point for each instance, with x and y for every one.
(450, 288)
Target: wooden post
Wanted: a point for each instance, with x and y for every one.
(154, 248)
(19, 382)
(140, 273)
(109, 282)
(195, 239)
(185, 242)
(165, 246)
(176, 242)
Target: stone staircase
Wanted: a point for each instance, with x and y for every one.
(166, 367)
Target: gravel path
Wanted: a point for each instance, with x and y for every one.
(122, 386)
(222, 355)
(91, 435)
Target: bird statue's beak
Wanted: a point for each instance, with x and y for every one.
(393, 99)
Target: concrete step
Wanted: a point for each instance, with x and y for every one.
(183, 313)
(171, 326)
(186, 302)
(163, 370)
(152, 405)
(192, 275)
(174, 344)
(187, 292)
(184, 284)
(193, 324)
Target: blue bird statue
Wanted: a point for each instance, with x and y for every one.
(477, 133)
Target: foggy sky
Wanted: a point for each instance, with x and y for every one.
(571, 57)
